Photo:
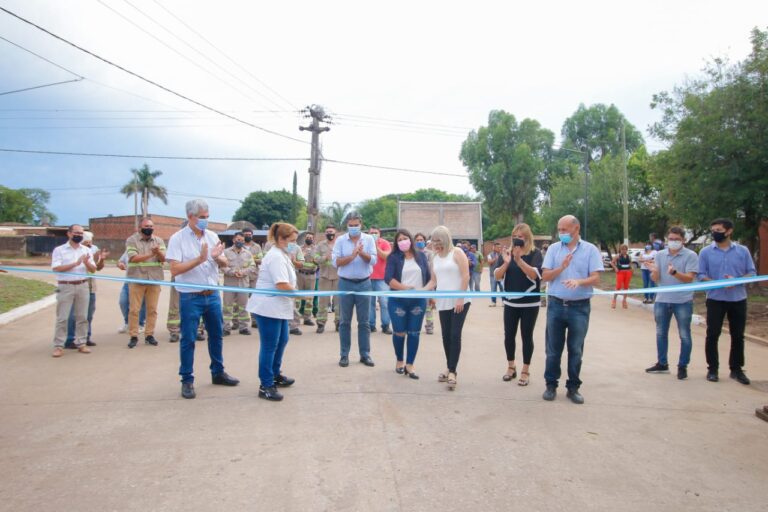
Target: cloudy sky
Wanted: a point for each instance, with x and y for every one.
(403, 81)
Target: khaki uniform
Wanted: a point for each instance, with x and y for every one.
(235, 315)
(253, 271)
(149, 270)
(293, 324)
(329, 279)
(305, 279)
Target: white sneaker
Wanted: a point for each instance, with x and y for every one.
(123, 329)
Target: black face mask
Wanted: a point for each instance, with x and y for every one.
(248, 239)
(718, 237)
(308, 241)
(147, 231)
(239, 245)
(77, 238)
(330, 236)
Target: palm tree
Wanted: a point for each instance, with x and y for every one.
(336, 213)
(143, 183)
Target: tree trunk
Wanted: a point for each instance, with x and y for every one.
(144, 203)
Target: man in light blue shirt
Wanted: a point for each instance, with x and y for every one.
(725, 259)
(572, 267)
(673, 266)
(354, 255)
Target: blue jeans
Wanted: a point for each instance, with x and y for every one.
(378, 285)
(363, 305)
(474, 281)
(495, 285)
(648, 283)
(273, 335)
(192, 306)
(573, 318)
(71, 320)
(125, 306)
(683, 313)
(407, 315)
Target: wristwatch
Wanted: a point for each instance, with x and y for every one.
(674, 271)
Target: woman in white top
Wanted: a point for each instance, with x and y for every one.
(647, 258)
(273, 312)
(450, 273)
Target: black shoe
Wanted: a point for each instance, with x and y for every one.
(225, 332)
(740, 376)
(344, 361)
(134, 341)
(658, 368)
(245, 331)
(270, 394)
(188, 390)
(412, 375)
(90, 343)
(150, 340)
(320, 329)
(575, 396)
(174, 338)
(282, 381)
(200, 336)
(224, 379)
(367, 361)
(712, 376)
(386, 330)
(550, 393)
(373, 328)
(682, 373)
(400, 370)
(309, 322)
(70, 345)
(295, 331)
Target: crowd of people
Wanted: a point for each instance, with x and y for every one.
(409, 268)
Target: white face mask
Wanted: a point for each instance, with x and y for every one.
(675, 245)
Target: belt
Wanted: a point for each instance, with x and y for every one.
(356, 281)
(204, 293)
(558, 300)
(73, 282)
(308, 272)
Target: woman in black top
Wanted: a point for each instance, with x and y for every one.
(520, 272)
(622, 265)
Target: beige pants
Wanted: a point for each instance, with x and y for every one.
(324, 303)
(305, 282)
(138, 293)
(69, 297)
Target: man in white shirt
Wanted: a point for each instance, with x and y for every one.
(195, 255)
(72, 292)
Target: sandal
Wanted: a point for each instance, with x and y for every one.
(613, 304)
(442, 377)
(624, 305)
(509, 376)
(523, 381)
(451, 381)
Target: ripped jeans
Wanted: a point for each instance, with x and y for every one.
(406, 316)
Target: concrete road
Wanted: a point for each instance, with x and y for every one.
(109, 431)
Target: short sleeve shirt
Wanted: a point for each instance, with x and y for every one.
(381, 263)
(586, 259)
(185, 246)
(65, 255)
(276, 267)
(684, 261)
(716, 263)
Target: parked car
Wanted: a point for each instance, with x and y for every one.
(606, 259)
(634, 254)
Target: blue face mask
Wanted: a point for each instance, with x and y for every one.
(291, 247)
(565, 238)
(202, 224)
(375, 236)
(421, 245)
(354, 230)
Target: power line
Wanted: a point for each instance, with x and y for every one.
(41, 86)
(401, 169)
(133, 111)
(402, 121)
(41, 57)
(151, 82)
(154, 157)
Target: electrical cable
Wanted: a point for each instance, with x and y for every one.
(401, 169)
(41, 86)
(154, 157)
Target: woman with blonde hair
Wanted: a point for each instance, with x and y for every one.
(520, 272)
(273, 312)
(450, 273)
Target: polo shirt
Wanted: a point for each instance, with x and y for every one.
(684, 261)
(358, 268)
(185, 246)
(586, 259)
(735, 261)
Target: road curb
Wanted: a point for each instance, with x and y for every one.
(27, 309)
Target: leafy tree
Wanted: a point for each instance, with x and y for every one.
(335, 214)
(505, 161)
(381, 212)
(25, 205)
(260, 208)
(717, 128)
(431, 195)
(143, 182)
(598, 129)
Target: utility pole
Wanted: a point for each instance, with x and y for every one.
(586, 151)
(318, 115)
(135, 200)
(626, 184)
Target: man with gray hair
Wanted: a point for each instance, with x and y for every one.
(354, 255)
(195, 255)
(572, 266)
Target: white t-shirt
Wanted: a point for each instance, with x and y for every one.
(648, 256)
(411, 275)
(276, 267)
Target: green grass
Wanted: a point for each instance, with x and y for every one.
(15, 291)
(608, 280)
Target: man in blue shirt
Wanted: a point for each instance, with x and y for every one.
(572, 268)
(354, 255)
(725, 259)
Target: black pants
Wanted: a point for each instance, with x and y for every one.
(736, 312)
(451, 324)
(526, 317)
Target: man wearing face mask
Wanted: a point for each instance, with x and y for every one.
(572, 266)
(672, 266)
(306, 277)
(236, 273)
(725, 259)
(329, 277)
(195, 255)
(354, 255)
(72, 290)
(146, 254)
(383, 250)
(100, 258)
